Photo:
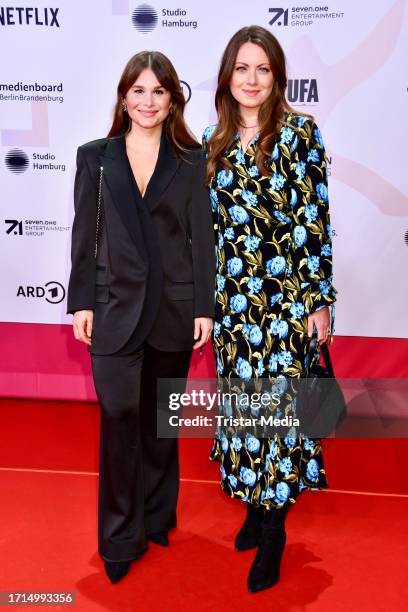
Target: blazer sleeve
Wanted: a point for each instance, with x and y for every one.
(202, 243)
(81, 287)
(311, 233)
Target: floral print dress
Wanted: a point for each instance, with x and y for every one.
(274, 267)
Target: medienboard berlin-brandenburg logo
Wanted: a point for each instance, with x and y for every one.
(144, 18)
(17, 161)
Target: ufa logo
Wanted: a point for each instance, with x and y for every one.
(144, 18)
(302, 91)
(16, 161)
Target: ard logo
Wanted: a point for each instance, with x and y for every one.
(53, 292)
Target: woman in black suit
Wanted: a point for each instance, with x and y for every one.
(141, 291)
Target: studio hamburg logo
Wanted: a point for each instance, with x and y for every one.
(16, 161)
(144, 18)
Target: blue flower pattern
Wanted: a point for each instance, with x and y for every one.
(273, 268)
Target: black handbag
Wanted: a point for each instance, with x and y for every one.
(321, 407)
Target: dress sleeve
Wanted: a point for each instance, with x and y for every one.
(311, 232)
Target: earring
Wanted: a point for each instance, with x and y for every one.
(171, 109)
(124, 107)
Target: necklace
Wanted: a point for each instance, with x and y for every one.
(248, 127)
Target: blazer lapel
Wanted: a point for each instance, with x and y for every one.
(120, 184)
(166, 167)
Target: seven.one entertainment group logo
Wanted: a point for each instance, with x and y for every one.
(53, 292)
(302, 16)
(145, 19)
(17, 161)
(35, 228)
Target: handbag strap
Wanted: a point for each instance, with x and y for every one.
(98, 212)
(324, 350)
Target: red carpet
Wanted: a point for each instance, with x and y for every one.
(345, 551)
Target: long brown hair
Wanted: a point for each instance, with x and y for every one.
(271, 112)
(175, 127)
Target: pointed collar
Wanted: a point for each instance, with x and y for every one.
(236, 142)
(164, 171)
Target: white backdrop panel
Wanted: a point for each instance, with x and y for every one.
(355, 54)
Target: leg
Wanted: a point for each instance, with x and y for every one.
(160, 456)
(121, 532)
(264, 572)
(250, 533)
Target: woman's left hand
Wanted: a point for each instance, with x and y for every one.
(321, 320)
(203, 327)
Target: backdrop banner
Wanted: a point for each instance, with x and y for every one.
(61, 62)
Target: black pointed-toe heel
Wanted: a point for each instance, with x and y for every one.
(250, 533)
(265, 569)
(116, 570)
(160, 537)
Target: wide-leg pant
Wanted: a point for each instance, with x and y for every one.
(138, 473)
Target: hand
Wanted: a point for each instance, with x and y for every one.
(320, 320)
(82, 323)
(203, 327)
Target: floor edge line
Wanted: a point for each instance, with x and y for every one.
(195, 480)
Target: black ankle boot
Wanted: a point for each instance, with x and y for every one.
(116, 570)
(250, 533)
(264, 572)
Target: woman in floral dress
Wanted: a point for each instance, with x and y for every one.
(267, 178)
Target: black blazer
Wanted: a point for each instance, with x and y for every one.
(155, 266)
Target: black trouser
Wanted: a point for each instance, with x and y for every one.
(138, 473)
